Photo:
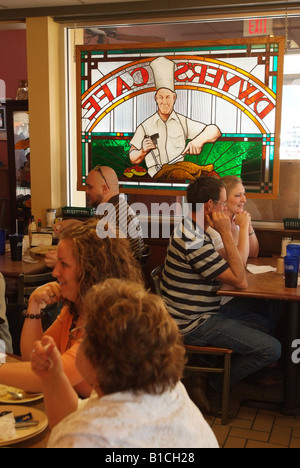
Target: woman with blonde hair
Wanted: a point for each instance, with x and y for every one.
(84, 259)
(241, 225)
(131, 353)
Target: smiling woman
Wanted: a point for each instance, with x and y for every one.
(83, 261)
(243, 234)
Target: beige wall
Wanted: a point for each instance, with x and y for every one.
(45, 56)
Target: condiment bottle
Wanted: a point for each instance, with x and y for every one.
(31, 228)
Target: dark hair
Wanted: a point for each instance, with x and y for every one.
(202, 190)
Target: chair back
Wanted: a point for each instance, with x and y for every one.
(2, 210)
(144, 257)
(28, 283)
(156, 275)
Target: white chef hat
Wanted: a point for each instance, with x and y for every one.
(163, 70)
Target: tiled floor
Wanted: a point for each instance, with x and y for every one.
(256, 428)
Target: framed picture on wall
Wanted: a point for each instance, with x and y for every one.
(162, 115)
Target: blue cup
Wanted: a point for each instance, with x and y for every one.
(293, 250)
(16, 246)
(291, 270)
(2, 241)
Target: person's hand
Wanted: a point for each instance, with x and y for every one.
(148, 145)
(46, 360)
(47, 294)
(219, 221)
(194, 147)
(243, 220)
(51, 259)
(60, 226)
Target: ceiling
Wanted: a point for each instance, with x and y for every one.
(62, 10)
(21, 4)
(24, 4)
(19, 10)
(111, 11)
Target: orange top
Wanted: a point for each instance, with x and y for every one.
(59, 331)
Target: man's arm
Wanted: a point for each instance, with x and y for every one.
(235, 275)
(209, 135)
(138, 155)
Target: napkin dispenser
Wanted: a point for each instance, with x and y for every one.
(41, 239)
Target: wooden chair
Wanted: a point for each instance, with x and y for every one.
(143, 259)
(194, 351)
(26, 285)
(2, 210)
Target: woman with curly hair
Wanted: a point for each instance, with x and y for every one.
(131, 353)
(83, 260)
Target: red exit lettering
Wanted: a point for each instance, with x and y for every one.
(258, 26)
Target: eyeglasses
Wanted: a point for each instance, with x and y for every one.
(98, 168)
(225, 204)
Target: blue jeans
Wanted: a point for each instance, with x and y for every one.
(255, 313)
(253, 349)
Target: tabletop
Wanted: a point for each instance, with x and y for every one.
(40, 440)
(265, 285)
(12, 269)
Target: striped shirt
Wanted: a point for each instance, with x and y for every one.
(118, 214)
(189, 285)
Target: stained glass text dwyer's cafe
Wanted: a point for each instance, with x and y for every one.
(223, 117)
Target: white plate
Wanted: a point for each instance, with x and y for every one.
(28, 397)
(27, 433)
(43, 249)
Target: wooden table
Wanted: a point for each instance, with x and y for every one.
(11, 271)
(272, 286)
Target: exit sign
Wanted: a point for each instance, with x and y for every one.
(258, 27)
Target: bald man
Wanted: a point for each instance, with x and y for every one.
(102, 185)
(102, 189)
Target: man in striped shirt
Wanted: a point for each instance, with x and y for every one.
(192, 275)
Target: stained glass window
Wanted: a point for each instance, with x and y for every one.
(224, 120)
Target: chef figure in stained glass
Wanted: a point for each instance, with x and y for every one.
(161, 139)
